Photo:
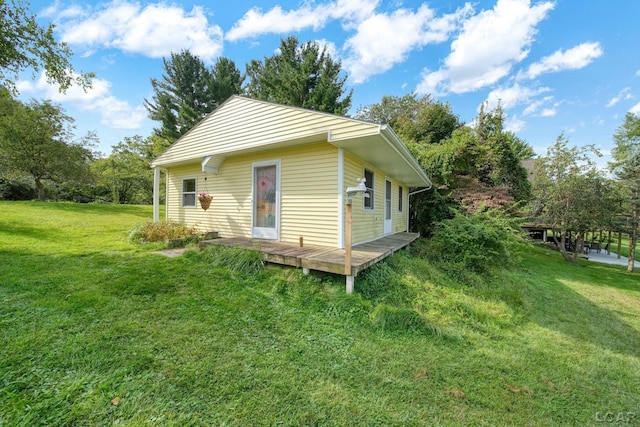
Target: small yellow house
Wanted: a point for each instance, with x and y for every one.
(279, 172)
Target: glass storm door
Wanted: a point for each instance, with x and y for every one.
(387, 207)
(266, 206)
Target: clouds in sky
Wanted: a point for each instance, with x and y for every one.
(487, 48)
(309, 16)
(571, 59)
(114, 113)
(384, 40)
(623, 95)
(154, 30)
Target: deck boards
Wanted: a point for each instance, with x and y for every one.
(321, 258)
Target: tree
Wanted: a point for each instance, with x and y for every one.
(626, 166)
(303, 76)
(414, 118)
(188, 91)
(126, 173)
(570, 195)
(35, 139)
(227, 80)
(24, 44)
(478, 166)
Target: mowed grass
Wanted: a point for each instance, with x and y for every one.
(214, 338)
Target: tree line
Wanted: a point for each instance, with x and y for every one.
(474, 167)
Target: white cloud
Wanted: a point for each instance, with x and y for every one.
(118, 114)
(383, 40)
(514, 124)
(511, 96)
(623, 95)
(114, 112)
(278, 21)
(490, 43)
(571, 59)
(635, 109)
(154, 30)
(549, 112)
(331, 47)
(255, 22)
(544, 107)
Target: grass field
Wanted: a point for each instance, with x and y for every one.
(98, 331)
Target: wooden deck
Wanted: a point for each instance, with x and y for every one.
(321, 258)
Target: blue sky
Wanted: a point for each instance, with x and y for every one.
(562, 66)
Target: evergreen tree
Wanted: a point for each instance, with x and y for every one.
(188, 91)
(303, 76)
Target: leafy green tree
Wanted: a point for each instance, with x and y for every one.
(626, 166)
(570, 194)
(26, 45)
(483, 153)
(36, 139)
(417, 119)
(188, 91)
(300, 75)
(126, 173)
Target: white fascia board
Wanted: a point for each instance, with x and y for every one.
(394, 141)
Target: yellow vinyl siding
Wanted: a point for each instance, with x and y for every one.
(230, 211)
(368, 224)
(399, 218)
(226, 129)
(308, 187)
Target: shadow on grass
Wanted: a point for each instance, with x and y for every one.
(30, 232)
(144, 211)
(558, 306)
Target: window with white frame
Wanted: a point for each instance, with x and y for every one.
(370, 183)
(188, 192)
(400, 198)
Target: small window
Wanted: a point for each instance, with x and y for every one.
(400, 201)
(368, 195)
(189, 193)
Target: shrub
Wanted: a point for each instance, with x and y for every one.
(17, 190)
(162, 231)
(477, 243)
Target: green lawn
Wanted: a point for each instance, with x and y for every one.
(87, 317)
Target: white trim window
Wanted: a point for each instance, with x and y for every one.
(189, 186)
(400, 199)
(370, 183)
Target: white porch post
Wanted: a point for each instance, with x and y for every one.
(347, 250)
(156, 194)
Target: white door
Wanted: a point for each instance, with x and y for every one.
(387, 207)
(266, 201)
